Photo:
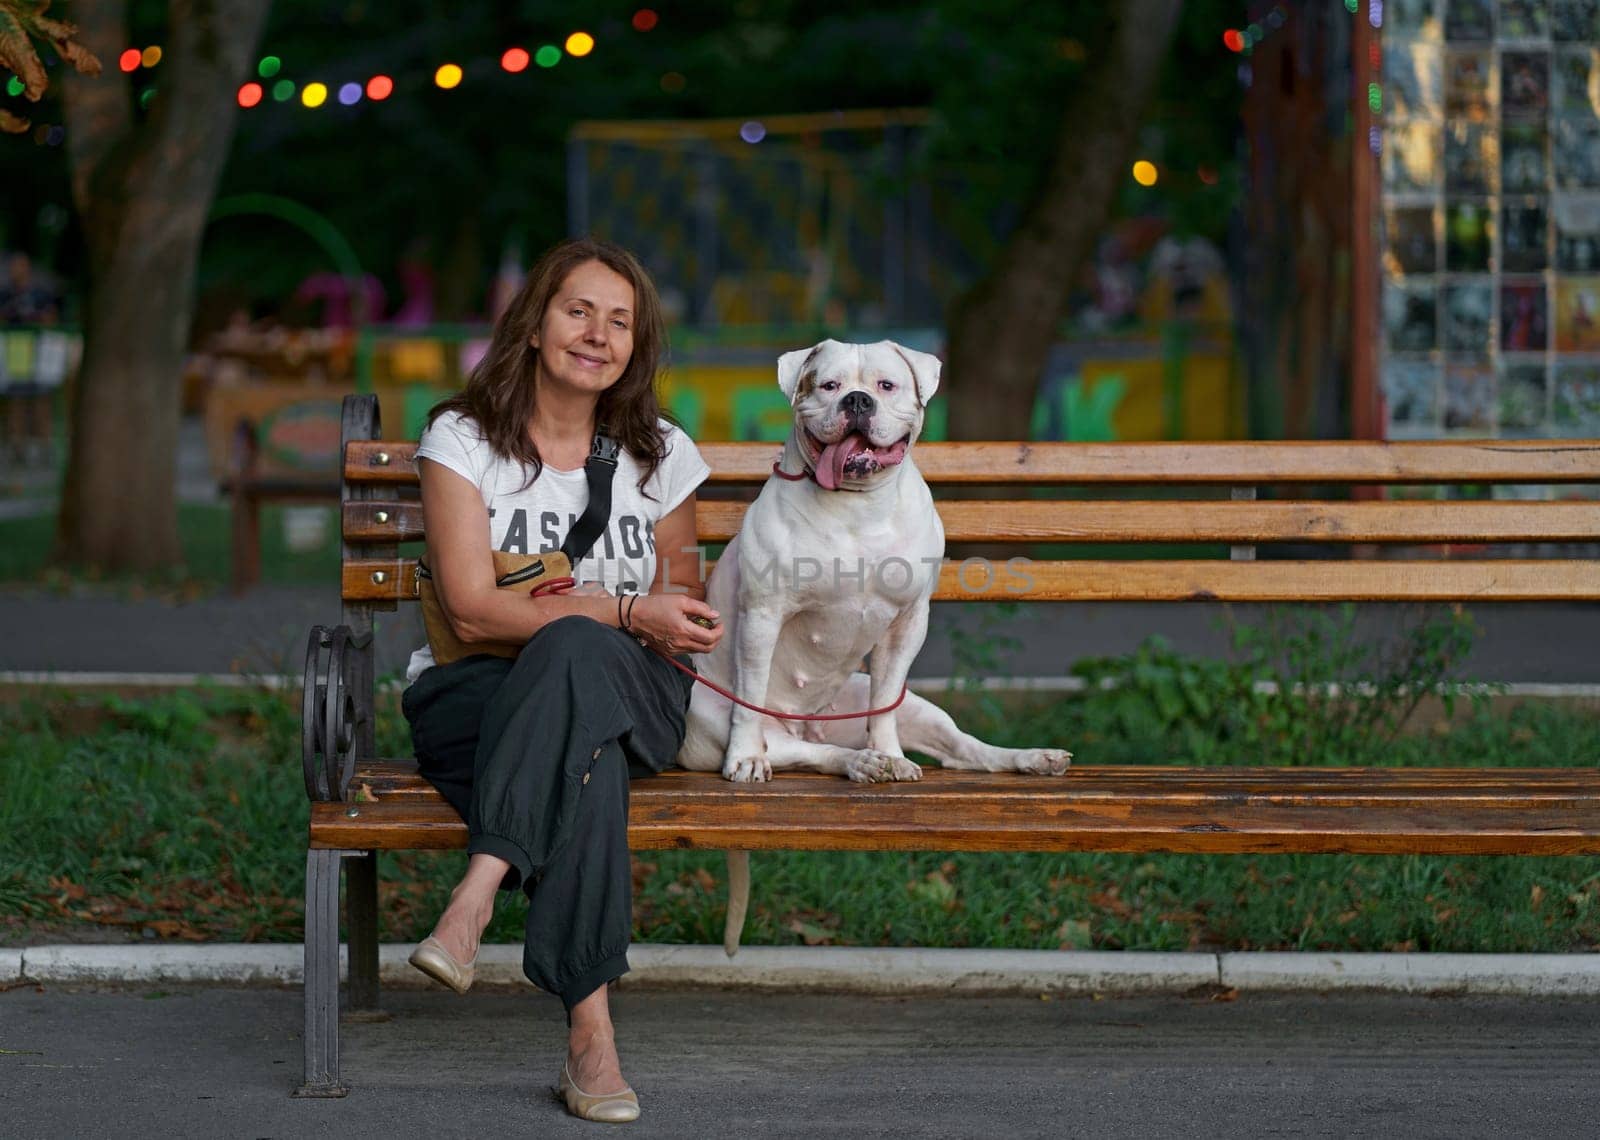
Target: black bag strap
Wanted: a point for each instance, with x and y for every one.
(600, 467)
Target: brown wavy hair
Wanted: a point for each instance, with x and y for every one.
(500, 394)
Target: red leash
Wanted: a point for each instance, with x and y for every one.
(712, 685)
(562, 585)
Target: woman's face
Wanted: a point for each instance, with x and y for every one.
(585, 339)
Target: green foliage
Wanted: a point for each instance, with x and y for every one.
(179, 721)
(1194, 708)
(174, 814)
(203, 529)
(996, 74)
(979, 654)
(1303, 689)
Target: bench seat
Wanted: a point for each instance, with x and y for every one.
(1457, 811)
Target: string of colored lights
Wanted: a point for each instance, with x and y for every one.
(1244, 40)
(446, 77)
(1375, 62)
(269, 82)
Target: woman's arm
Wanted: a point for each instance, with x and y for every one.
(678, 554)
(463, 569)
(665, 616)
(463, 575)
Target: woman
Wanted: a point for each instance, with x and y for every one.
(536, 752)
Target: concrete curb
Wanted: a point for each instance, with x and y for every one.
(231, 963)
(1566, 975)
(893, 970)
(868, 970)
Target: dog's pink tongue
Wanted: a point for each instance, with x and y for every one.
(830, 464)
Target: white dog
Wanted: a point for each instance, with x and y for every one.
(833, 561)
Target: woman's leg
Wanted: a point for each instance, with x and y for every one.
(445, 709)
(471, 907)
(583, 709)
(592, 1059)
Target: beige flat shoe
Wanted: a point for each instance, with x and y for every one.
(433, 959)
(613, 1108)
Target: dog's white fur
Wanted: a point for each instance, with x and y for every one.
(818, 577)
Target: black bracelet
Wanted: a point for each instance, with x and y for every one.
(632, 600)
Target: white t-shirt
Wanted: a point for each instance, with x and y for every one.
(534, 518)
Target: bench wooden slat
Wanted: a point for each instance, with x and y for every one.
(391, 781)
(1277, 462)
(1197, 810)
(1245, 521)
(1488, 580)
(308, 489)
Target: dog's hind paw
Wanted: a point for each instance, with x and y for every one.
(1043, 761)
(870, 767)
(748, 770)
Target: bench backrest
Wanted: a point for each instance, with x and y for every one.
(268, 429)
(1025, 510)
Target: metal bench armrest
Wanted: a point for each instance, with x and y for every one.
(334, 706)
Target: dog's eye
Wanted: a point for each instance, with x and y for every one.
(829, 385)
(886, 385)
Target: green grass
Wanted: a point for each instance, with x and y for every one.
(185, 816)
(204, 530)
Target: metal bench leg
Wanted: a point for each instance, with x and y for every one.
(361, 901)
(322, 976)
(246, 540)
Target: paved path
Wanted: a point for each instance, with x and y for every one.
(210, 1063)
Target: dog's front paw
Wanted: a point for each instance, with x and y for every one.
(747, 769)
(872, 767)
(1043, 761)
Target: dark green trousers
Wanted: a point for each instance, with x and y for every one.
(536, 754)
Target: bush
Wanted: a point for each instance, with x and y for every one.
(1302, 689)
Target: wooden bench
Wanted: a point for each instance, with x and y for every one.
(363, 804)
(272, 443)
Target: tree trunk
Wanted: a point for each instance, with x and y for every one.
(1002, 329)
(143, 191)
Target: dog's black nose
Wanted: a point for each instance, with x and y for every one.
(858, 404)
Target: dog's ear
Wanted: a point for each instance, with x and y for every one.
(791, 365)
(924, 370)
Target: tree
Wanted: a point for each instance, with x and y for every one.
(142, 184)
(1001, 330)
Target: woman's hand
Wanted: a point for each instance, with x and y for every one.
(664, 621)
